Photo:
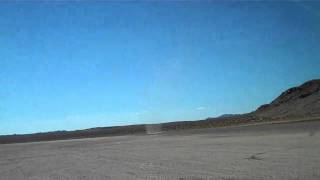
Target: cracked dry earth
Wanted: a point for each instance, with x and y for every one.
(277, 151)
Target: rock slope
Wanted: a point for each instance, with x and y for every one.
(301, 101)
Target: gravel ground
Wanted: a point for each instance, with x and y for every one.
(275, 151)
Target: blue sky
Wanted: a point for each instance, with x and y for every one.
(66, 66)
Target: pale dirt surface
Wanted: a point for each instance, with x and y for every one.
(275, 151)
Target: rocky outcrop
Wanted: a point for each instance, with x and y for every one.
(301, 101)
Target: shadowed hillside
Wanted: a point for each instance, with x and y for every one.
(301, 101)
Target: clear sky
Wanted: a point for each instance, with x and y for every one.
(66, 66)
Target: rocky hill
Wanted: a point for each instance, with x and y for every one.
(301, 101)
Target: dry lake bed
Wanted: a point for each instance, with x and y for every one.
(275, 151)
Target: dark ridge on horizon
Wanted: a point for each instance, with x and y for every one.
(298, 102)
(228, 115)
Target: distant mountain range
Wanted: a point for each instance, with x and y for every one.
(228, 115)
(298, 102)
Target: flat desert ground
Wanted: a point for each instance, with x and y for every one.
(274, 151)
